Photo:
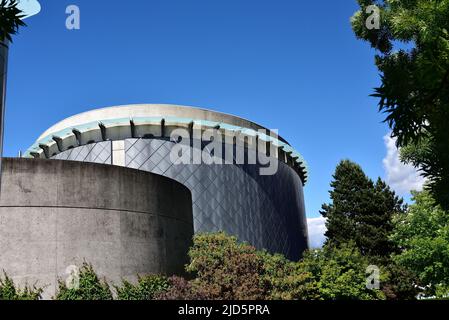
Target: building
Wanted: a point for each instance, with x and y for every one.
(264, 210)
(76, 195)
(54, 215)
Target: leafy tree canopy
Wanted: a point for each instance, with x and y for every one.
(340, 273)
(231, 270)
(414, 93)
(423, 236)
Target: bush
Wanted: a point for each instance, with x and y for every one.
(9, 291)
(90, 287)
(147, 288)
(340, 273)
(286, 280)
(225, 269)
(182, 289)
(228, 270)
(402, 284)
(423, 237)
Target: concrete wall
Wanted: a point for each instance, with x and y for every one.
(54, 214)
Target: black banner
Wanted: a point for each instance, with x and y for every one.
(227, 309)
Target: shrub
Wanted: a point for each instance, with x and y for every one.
(340, 273)
(285, 280)
(9, 291)
(423, 237)
(401, 283)
(90, 287)
(226, 269)
(147, 288)
(182, 289)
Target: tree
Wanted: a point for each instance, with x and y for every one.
(286, 280)
(415, 82)
(399, 283)
(361, 211)
(226, 269)
(339, 273)
(423, 236)
(10, 19)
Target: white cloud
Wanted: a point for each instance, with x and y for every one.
(317, 229)
(401, 177)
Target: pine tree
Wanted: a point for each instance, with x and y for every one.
(361, 211)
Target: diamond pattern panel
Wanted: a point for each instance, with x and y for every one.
(96, 152)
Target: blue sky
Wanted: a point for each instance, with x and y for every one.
(294, 65)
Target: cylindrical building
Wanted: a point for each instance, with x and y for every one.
(58, 214)
(266, 210)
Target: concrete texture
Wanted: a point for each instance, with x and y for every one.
(54, 214)
(150, 110)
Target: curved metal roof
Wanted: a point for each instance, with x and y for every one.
(132, 121)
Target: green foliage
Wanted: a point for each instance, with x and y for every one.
(399, 283)
(225, 268)
(361, 211)
(286, 280)
(423, 236)
(90, 287)
(339, 273)
(10, 19)
(182, 289)
(415, 83)
(9, 291)
(147, 288)
(229, 270)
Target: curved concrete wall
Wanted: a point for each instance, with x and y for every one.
(54, 214)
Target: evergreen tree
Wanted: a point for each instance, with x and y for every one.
(361, 211)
